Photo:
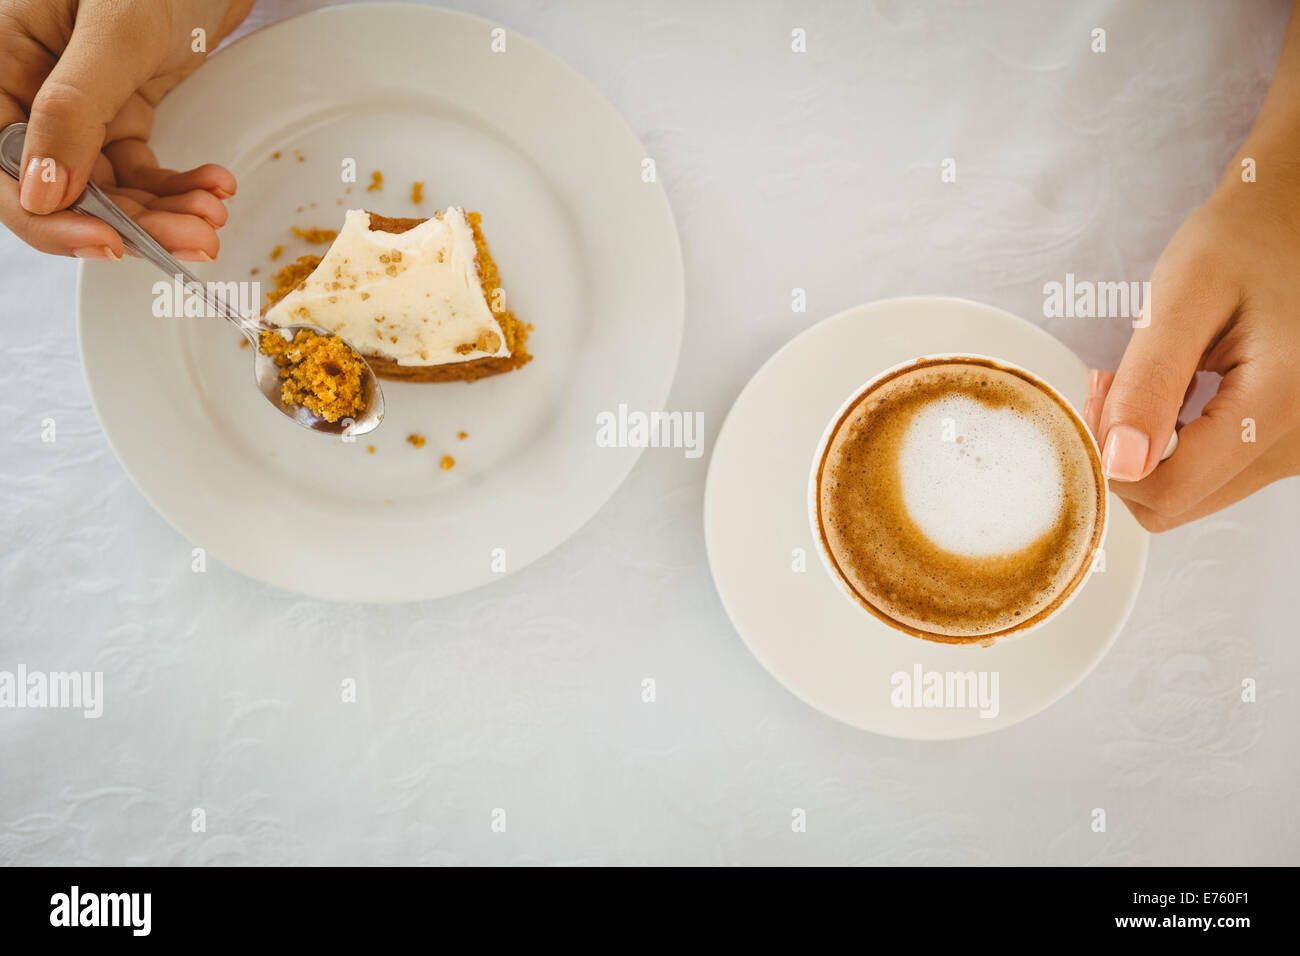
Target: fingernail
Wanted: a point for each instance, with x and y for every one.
(96, 252)
(221, 193)
(43, 184)
(1094, 383)
(192, 255)
(1125, 456)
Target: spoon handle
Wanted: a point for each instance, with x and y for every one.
(96, 204)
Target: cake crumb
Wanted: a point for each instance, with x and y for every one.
(320, 372)
(243, 343)
(462, 435)
(315, 235)
(370, 449)
(300, 208)
(254, 271)
(416, 440)
(299, 156)
(417, 193)
(376, 182)
(275, 253)
(276, 154)
(287, 278)
(448, 462)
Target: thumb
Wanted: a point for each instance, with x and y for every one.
(1184, 312)
(107, 59)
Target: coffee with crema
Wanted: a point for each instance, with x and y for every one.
(959, 500)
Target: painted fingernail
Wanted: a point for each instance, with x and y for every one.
(192, 255)
(1125, 456)
(43, 184)
(96, 252)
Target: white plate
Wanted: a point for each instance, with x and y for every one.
(588, 254)
(831, 654)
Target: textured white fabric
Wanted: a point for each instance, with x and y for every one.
(818, 171)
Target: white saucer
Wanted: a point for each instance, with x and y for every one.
(588, 254)
(829, 653)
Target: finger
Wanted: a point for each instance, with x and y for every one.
(196, 202)
(109, 55)
(59, 237)
(101, 174)
(1187, 307)
(178, 234)
(137, 167)
(1281, 460)
(118, 194)
(1098, 385)
(1217, 446)
(186, 237)
(61, 233)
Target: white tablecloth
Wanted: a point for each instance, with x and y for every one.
(819, 171)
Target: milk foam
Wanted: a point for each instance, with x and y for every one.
(978, 480)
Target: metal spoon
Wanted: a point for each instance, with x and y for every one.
(93, 202)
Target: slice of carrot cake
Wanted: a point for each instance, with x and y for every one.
(419, 298)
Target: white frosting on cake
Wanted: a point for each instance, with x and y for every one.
(414, 297)
(977, 480)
